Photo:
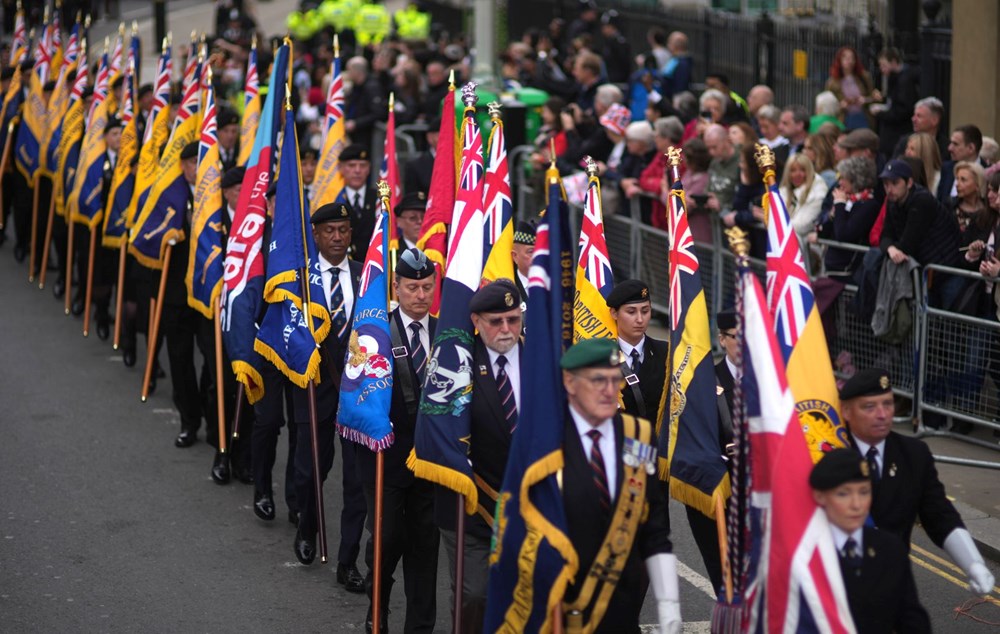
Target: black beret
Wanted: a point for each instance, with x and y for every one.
(867, 382)
(145, 89)
(233, 176)
(332, 212)
(355, 152)
(117, 83)
(307, 152)
(628, 292)
(412, 200)
(49, 86)
(113, 122)
(726, 320)
(176, 98)
(190, 151)
(498, 296)
(524, 233)
(226, 116)
(88, 92)
(434, 125)
(27, 65)
(414, 265)
(7, 73)
(838, 467)
(592, 353)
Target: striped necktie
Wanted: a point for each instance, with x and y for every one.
(417, 353)
(597, 466)
(507, 401)
(337, 312)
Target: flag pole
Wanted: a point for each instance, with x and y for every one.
(459, 560)
(90, 282)
(69, 261)
(220, 395)
(119, 294)
(154, 325)
(34, 226)
(240, 395)
(47, 243)
(4, 160)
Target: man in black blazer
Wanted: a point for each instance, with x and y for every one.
(881, 592)
(341, 277)
(496, 394)
(408, 529)
(228, 123)
(522, 253)
(362, 198)
(608, 460)
(645, 358)
(906, 483)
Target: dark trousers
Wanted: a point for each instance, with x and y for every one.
(706, 535)
(183, 328)
(269, 418)
(476, 576)
(408, 533)
(352, 517)
(22, 195)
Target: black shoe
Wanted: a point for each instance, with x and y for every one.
(152, 388)
(59, 288)
(20, 253)
(244, 475)
(103, 328)
(293, 518)
(350, 578)
(128, 357)
(185, 439)
(263, 506)
(305, 549)
(220, 468)
(77, 307)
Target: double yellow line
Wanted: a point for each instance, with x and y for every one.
(943, 568)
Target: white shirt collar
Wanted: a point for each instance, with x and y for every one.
(880, 447)
(840, 538)
(325, 265)
(627, 349)
(733, 370)
(407, 320)
(512, 355)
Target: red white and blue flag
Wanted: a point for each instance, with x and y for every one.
(389, 172)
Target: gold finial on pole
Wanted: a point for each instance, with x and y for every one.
(336, 45)
(494, 109)
(253, 41)
(45, 15)
(121, 30)
(451, 79)
(135, 28)
(764, 156)
(738, 242)
(674, 155)
(392, 101)
(469, 97)
(107, 44)
(166, 43)
(86, 22)
(383, 190)
(552, 153)
(591, 166)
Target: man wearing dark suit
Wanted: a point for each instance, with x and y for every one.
(362, 198)
(964, 144)
(341, 276)
(602, 493)
(906, 484)
(105, 261)
(229, 137)
(496, 394)
(522, 252)
(881, 592)
(645, 357)
(365, 104)
(408, 529)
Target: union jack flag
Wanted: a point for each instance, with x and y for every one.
(374, 259)
(788, 291)
(20, 43)
(469, 201)
(43, 55)
(389, 172)
(682, 257)
(251, 87)
(161, 91)
(100, 89)
(497, 205)
(593, 249)
(209, 127)
(334, 98)
(80, 83)
(191, 100)
(72, 48)
(117, 55)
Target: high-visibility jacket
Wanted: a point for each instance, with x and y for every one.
(372, 24)
(413, 24)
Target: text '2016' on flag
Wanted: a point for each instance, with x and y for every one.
(366, 386)
(243, 286)
(798, 325)
(532, 559)
(594, 280)
(689, 418)
(443, 419)
(498, 221)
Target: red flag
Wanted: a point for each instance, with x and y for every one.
(441, 198)
(389, 172)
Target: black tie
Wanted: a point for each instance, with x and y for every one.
(357, 202)
(851, 555)
(636, 362)
(506, 390)
(337, 312)
(417, 353)
(597, 467)
(872, 458)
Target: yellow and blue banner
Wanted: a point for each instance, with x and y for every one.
(58, 105)
(532, 559)
(328, 181)
(28, 146)
(594, 280)
(67, 153)
(85, 203)
(123, 178)
(12, 102)
(688, 422)
(155, 136)
(366, 386)
(498, 219)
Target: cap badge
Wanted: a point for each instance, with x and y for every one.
(508, 299)
(883, 382)
(645, 293)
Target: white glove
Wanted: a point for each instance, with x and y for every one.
(963, 551)
(662, 571)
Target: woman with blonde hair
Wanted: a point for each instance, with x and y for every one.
(819, 149)
(803, 192)
(924, 147)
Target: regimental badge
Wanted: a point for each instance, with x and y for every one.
(482, 370)
(871, 552)
(883, 382)
(616, 357)
(508, 299)
(645, 293)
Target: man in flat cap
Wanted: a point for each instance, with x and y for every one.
(645, 358)
(522, 252)
(881, 592)
(496, 401)
(408, 529)
(356, 166)
(229, 137)
(905, 481)
(341, 277)
(609, 458)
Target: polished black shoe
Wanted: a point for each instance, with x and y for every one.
(263, 506)
(20, 253)
(350, 578)
(185, 438)
(293, 518)
(243, 473)
(59, 288)
(103, 327)
(77, 307)
(383, 624)
(128, 357)
(305, 549)
(220, 468)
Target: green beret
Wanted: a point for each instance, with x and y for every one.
(356, 152)
(838, 467)
(867, 382)
(414, 265)
(628, 292)
(496, 297)
(525, 233)
(332, 212)
(592, 353)
(190, 151)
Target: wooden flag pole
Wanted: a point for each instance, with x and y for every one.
(69, 262)
(88, 296)
(459, 560)
(557, 619)
(48, 242)
(317, 477)
(4, 160)
(119, 295)
(377, 569)
(34, 229)
(154, 326)
(219, 388)
(241, 391)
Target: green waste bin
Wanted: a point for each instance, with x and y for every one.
(533, 99)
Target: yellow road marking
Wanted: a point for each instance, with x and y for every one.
(947, 577)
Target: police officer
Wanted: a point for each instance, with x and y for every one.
(881, 592)
(372, 23)
(496, 394)
(522, 252)
(361, 197)
(905, 482)
(412, 24)
(341, 277)
(408, 529)
(645, 358)
(608, 497)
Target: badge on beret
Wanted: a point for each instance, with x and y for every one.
(421, 195)
(616, 357)
(883, 382)
(645, 293)
(508, 299)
